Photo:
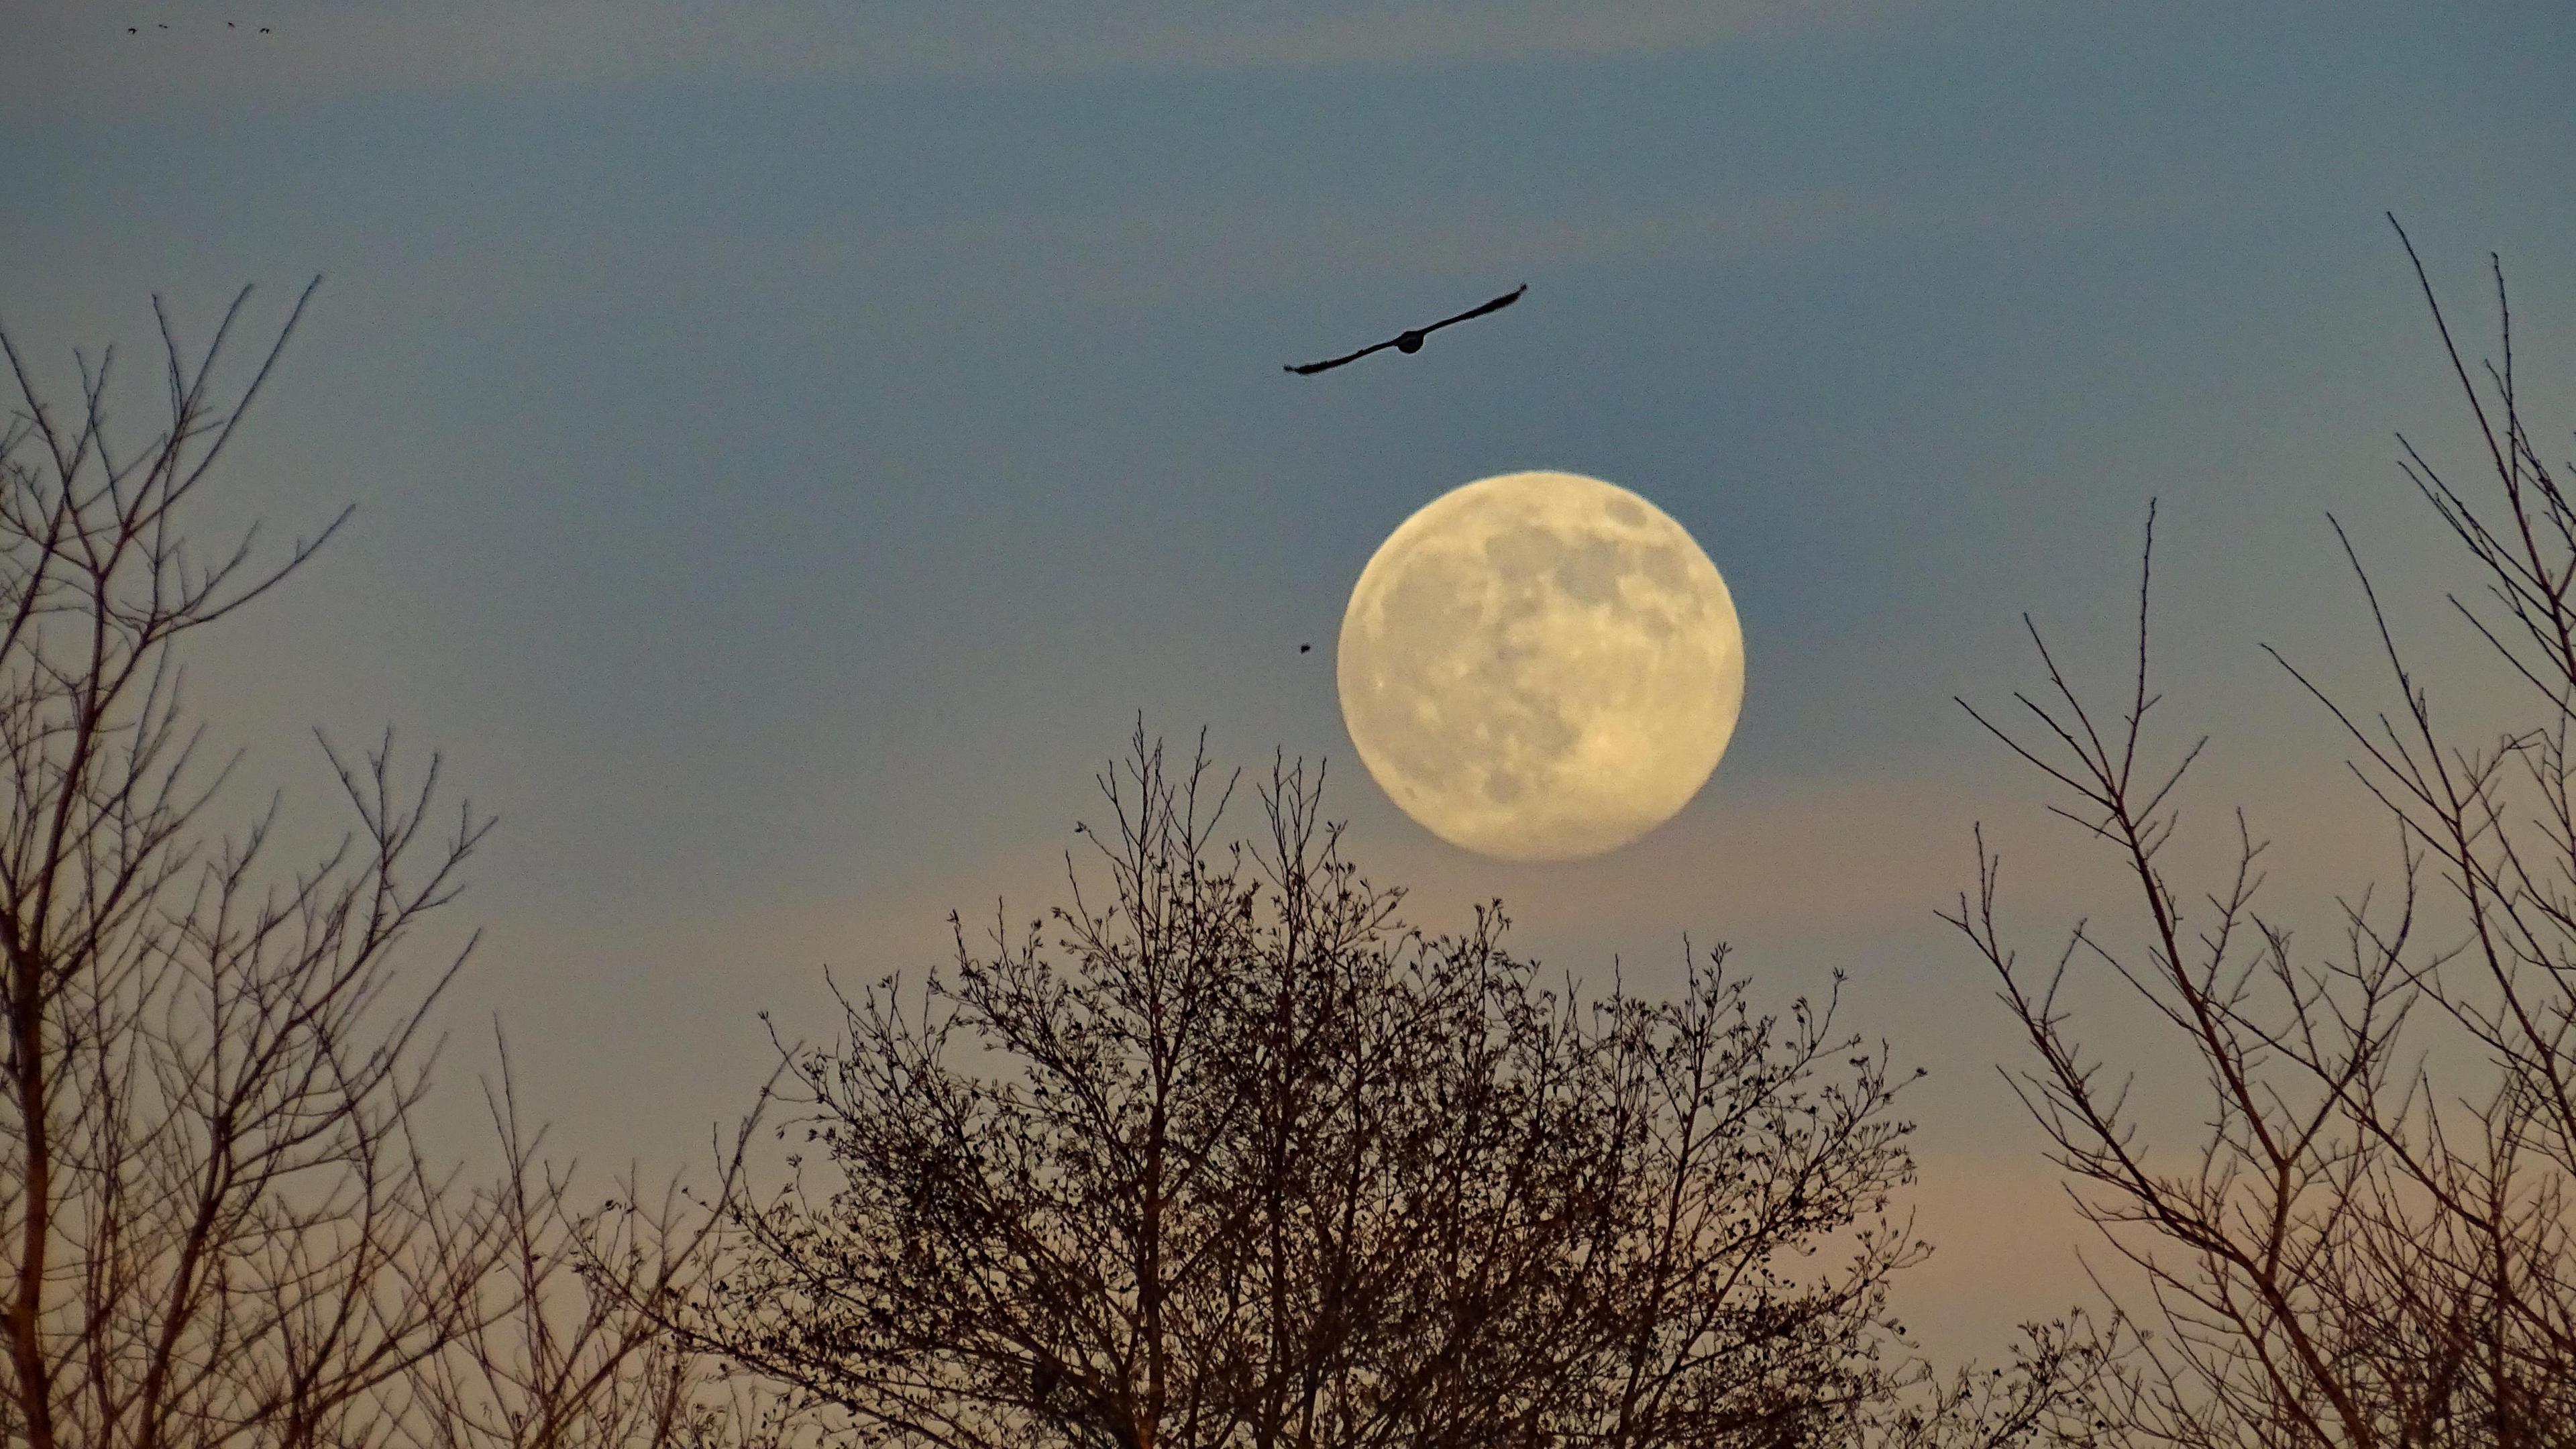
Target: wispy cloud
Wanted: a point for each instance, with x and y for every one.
(2005, 1243)
(80, 56)
(959, 273)
(1166, 253)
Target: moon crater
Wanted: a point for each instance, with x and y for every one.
(1540, 666)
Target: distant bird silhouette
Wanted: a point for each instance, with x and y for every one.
(130, 30)
(165, 27)
(1303, 648)
(263, 30)
(1412, 341)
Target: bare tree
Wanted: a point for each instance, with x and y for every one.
(1225, 1154)
(2369, 1244)
(219, 1226)
(559, 1348)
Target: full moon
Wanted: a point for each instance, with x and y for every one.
(1540, 666)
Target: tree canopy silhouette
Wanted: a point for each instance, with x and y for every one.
(1223, 1153)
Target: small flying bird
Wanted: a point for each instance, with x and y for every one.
(1305, 648)
(1412, 341)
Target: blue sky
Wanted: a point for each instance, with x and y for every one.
(793, 441)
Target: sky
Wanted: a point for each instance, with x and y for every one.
(793, 443)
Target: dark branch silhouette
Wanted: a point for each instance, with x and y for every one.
(1223, 1154)
(218, 1227)
(1412, 341)
(2363, 1239)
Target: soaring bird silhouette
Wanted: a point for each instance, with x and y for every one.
(1412, 341)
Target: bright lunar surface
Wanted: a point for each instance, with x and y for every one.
(1540, 666)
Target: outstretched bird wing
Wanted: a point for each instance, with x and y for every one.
(1311, 368)
(1496, 305)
